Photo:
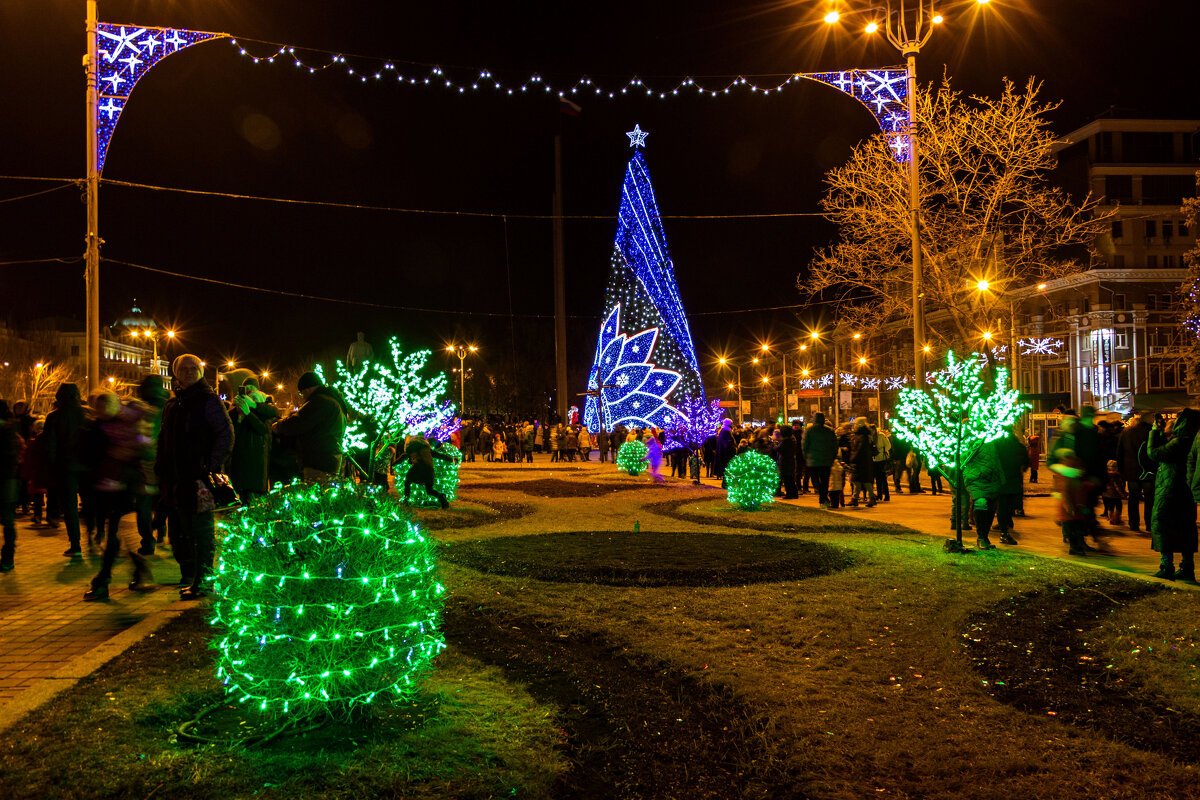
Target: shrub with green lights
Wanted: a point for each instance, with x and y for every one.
(327, 601)
(445, 476)
(631, 457)
(751, 479)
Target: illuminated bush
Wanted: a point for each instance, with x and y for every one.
(327, 600)
(445, 477)
(632, 457)
(751, 479)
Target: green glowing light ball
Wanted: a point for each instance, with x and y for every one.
(751, 480)
(445, 477)
(631, 457)
(327, 600)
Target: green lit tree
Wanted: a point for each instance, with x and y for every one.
(752, 480)
(391, 401)
(958, 413)
(631, 457)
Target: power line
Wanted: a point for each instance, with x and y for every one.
(438, 212)
(71, 260)
(35, 194)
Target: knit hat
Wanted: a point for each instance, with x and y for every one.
(179, 361)
(307, 381)
(860, 422)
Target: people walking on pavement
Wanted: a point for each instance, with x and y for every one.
(1114, 494)
(862, 461)
(1013, 457)
(63, 428)
(1139, 485)
(1174, 517)
(10, 454)
(983, 481)
(1071, 498)
(654, 456)
(881, 462)
(152, 391)
(317, 428)
(195, 441)
(1035, 456)
(820, 451)
(113, 451)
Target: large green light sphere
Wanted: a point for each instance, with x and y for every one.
(445, 477)
(328, 600)
(751, 479)
(631, 457)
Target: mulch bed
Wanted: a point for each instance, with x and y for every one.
(548, 487)
(458, 518)
(821, 521)
(633, 728)
(623, 558)
(1036, 653)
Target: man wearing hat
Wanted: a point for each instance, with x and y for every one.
(195, 441)
(317, 428)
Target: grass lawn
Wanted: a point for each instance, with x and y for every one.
(845, 659)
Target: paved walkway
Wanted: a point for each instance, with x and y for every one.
(44, 622)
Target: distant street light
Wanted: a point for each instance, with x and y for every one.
(461, 351)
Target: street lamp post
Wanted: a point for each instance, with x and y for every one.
(461, 351)
(92, 199)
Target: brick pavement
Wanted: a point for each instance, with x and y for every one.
(44, 622)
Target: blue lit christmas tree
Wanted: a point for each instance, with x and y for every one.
(644, 354)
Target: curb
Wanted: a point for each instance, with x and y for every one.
(80, 667)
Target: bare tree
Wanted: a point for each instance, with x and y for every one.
(1189, 310)
(987, 213)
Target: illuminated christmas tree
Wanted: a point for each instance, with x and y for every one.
(644, 353)
(948, 421)
(392, 401)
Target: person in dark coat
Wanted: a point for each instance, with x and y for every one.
(1014, 458)
(726, 450)
(983, 480)
(1034, 454)
(862, 460)
(10, 454)
(150, 517)
(252, 414)
(195, 441)
(1138, 485)
(1174, 518)
(787, 462)
(421, 456)
(820, 451)
(317, 428)
(63, 428)
(1089, 448)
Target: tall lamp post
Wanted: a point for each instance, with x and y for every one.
(92, 199)
(153, 335)
(908, 24)
(461, 351)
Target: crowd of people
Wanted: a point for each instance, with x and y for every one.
(168, 457)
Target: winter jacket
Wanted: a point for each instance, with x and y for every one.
(317, 428)
(883, 448)
(251, 448)
(862, 453)
(196, 439)
(726, 449)
(1070, 491)
(63, 426)
(983, 475)
(1014, 460)
(820, 446)
(10, 450)
(1128, 445)
(1173, 523)
(787, 455)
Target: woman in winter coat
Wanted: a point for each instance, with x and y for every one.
(252, 414)
(10, 456)
(64, 425)
(1173, 526)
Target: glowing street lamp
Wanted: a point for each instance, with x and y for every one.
(461, 351)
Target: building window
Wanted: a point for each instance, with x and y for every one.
(1118, 229)
(1151, 228)
(1167, 190)
(1121, 340)
(1169, 261)
(1167, 228)
(1119, 302)
(1169, 381)
(1152, 261)
(1118, 261)
(1155, 376)
(1122, 376)
(1118, 187)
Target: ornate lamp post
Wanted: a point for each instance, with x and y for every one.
(461, 351)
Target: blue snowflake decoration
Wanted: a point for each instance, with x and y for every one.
(636, 393)
(642, 295)
(125, 53)
(885, 94)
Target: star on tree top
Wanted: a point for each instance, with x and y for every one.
(637, 136)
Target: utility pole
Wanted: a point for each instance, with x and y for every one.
(560, 289)
(92, 272)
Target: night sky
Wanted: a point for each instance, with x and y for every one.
(210, 119)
